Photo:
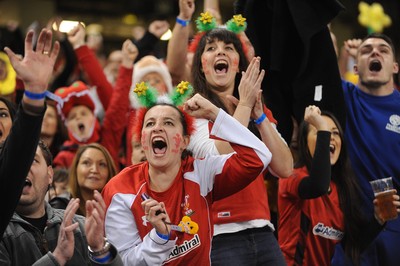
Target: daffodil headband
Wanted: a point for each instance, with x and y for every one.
(206, 22)
(148, 97)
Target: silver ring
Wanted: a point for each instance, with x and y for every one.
(45, 52)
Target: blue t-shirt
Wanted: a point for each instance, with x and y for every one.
(373, 136)
(373, 140)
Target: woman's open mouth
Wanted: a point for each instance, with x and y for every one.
(159, 146)
(221, 67)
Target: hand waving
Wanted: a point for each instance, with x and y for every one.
(36, 67)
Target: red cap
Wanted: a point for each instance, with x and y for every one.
(74, 95)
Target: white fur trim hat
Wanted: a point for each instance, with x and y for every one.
(146, 65)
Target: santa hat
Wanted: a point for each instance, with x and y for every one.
(74, 95)
(146, 65)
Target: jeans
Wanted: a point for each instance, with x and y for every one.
(256, 246)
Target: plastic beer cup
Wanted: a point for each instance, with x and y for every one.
(383, 191)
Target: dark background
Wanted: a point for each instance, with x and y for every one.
(109, 14)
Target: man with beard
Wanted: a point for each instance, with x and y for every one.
(48, 236)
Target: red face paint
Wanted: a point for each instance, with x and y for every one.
(235, 64)
(143, 141)
(178, 141)
(204, 65)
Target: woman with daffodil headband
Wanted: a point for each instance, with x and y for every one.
(162, 206)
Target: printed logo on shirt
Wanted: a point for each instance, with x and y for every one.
(394, 123)
(184, 248)
(327, 232)
(186, 206)
(224, 214)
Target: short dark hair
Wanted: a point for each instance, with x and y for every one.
(383, 37)
(46, 153)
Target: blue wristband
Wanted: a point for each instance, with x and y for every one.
(183, 22)
(165, 237)
(102, 260)
(35, 96)
(260, 119)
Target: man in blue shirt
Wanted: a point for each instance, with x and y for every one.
(373, 133)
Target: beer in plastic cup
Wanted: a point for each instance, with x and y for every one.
(383, 191)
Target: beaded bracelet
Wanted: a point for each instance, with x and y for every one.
(183, 22)
(35, 96)
(260, 119)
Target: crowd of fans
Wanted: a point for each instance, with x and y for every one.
(243, 146)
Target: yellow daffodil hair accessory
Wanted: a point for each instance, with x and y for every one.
(147, 97)
(206, 22)
(373, 17)
(237, 24)
(146, 94)
(181, 93)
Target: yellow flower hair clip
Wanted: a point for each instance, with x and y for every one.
(206, 22)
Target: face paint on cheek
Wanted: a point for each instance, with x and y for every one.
(178, 141)
(143, 141)
(235, 65)
(204, 62)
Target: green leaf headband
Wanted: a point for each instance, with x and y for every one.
(148, 96)
(206, 22)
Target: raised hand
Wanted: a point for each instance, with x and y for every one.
(77, 36)
(258, 108)
(200, 107)
(66, 240)
(158, 27)
(312, 115)
(36, 67)
(186, 9)
(351, 46)
(129, 53)
(94, 222)
(250, 84)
